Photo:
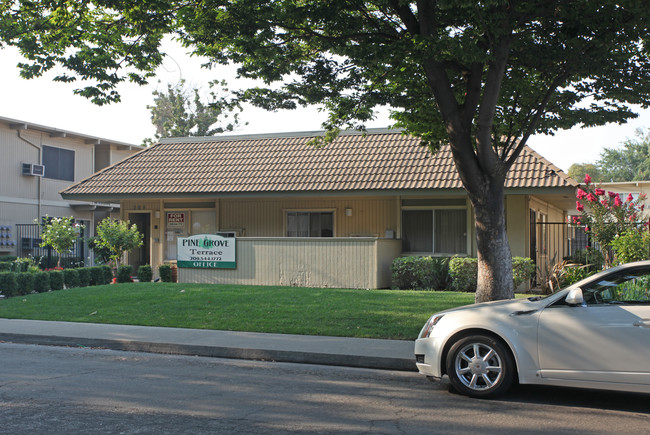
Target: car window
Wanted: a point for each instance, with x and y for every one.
(624, 288)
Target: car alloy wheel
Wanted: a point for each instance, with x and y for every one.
(480, 366)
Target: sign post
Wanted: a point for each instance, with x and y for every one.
(206, 251)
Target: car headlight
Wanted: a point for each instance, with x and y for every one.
(428, 327)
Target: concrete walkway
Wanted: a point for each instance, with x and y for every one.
(338, 351)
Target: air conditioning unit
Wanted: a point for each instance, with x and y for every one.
(34, 170)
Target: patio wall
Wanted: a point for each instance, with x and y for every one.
(356, 262)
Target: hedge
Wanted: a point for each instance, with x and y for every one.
(56, 279)
(418, 273)
(145, 273)
(464, 272)
(71, 277)
(165, 272)
(124, 273)
(8, 284)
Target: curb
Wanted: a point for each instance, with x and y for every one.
(276, 355)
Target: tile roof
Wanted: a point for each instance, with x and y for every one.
(386, 160)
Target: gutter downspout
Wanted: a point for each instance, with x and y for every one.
(40, 162)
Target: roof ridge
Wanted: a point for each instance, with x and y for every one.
(551, 166)
(290, 134)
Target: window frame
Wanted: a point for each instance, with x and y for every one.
(331, 211)
(433, 209)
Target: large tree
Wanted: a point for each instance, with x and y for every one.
(482, 76)
(630, 161)
(181, 111)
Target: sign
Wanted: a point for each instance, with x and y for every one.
(206, 251)
(176, 220)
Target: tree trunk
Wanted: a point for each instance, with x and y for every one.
(494, 258)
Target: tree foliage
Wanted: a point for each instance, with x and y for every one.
(628, 162)
(60, 233)
(606, 216)
(480, 76)
(117, 237)
(181, 112)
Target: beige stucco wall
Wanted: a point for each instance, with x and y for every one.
(25, 198)
(263, 220)
(305, 262)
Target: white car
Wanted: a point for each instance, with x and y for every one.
(593, 334)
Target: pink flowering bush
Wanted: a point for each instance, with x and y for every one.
(606, 216)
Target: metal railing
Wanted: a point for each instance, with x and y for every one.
(28, 245)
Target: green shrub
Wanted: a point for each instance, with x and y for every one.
(84, 276)
(25, 281)
(523, 269)
(421, 273)
(7, 258)
(96, 275)
(108, 273)
(463, 271)
(588, 256)
(145, 273)
(8, 284)
(124, 273)
(23, 264)
(165, 272)
(41, 282)
(56, 279)
(631, 246)
(6, 266)
(71, 278)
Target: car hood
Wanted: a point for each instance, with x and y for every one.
(508, 306)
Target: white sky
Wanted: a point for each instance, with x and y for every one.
(42, 101)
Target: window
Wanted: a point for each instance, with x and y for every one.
(438, 231)
(59, 163)
(629, 287)
(310, 224)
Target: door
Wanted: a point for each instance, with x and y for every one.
(607, 339)
(141, 256)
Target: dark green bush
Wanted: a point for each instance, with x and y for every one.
(96, 275)
(165, 272)
(464, 272)
(124, 273)
(84, 276)
(22, 264)
(41, 282)
(56, 279)
(7, 258)
(523, 270)
(25, 281)
(108, 273)
(6, 266)
(145, 274)
(8, 284)
(421, 273)
(71, 278)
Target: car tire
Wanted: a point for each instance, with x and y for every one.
(480, 366)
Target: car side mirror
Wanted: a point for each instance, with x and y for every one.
(575, 297)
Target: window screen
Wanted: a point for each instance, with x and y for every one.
(59, 163)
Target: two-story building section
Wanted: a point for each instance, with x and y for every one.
(36, 163)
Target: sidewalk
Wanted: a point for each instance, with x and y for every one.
(338, 351)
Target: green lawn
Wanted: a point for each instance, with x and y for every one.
(391, 314)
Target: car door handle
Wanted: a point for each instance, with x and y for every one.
(642, 323)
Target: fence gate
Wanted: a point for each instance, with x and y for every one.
(29, 240)
(551, 243)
